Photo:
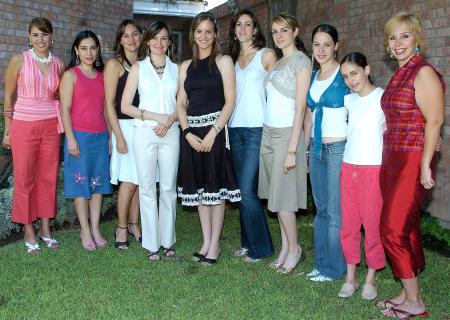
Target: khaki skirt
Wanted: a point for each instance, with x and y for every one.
(284, 191)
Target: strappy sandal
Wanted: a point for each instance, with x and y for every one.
(121, 245)
(50, 243)
(168, 252)
(33, 248)
(154, 256)
(241, 252)
(129, 232)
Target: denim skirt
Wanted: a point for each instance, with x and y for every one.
(89, 173)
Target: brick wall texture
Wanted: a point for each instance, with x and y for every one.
(360, 24)
(68, 17)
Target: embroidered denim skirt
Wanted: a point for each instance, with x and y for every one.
(89, 173)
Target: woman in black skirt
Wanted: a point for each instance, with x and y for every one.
(205, 102)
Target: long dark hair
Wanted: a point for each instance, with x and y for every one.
(150, 33)
(119, 51)
(258, 41)
(356, 58)
(199, 18)
(327, 28)
(73, 54)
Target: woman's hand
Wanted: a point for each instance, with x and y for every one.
(194, 141)
(73, 147)
(121, 145)
(166, 120)
(208, 141)
(6, 141)
(160, 130)
(288, 163)
(426, 180)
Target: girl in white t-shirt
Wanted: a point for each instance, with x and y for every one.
(361, 200)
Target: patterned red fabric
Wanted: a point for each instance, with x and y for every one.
(404, 120)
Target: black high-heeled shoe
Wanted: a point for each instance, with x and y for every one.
(208, 261)
(121, 245)
(198, 256)
(132, 233)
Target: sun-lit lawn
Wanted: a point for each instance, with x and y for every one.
(71, 283)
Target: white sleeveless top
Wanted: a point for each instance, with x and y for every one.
(155, 94)
(250, 95)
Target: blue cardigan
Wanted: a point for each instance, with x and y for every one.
(333, 97)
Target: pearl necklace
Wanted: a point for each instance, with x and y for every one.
(46, 60)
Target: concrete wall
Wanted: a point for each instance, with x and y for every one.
(360, 24)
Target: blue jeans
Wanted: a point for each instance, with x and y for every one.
(255, 235)
(324, 175)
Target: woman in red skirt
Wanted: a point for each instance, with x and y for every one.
(413, 103)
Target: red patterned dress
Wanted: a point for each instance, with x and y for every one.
(403, 195)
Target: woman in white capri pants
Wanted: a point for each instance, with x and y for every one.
(156, 138)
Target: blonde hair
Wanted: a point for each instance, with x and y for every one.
(284, 19)
(413, 22)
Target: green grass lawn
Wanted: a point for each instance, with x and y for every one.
(71, 283)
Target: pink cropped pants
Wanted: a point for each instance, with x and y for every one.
(35, 149)
(361, 204)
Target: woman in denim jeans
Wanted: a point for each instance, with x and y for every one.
(326, 126)
(252, 61)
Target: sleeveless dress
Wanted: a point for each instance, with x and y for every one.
(402, 193)
(205, 177)
(123, 166)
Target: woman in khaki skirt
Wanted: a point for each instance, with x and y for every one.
(282, 173)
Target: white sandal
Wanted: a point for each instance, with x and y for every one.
(32, 248)
(50, 243)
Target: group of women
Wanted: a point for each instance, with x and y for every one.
(242, 128)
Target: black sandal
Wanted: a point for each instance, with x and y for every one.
(152, 254)
(168, 252)
(198, 256)
(208, 261)
(129, 232)
(121, 245)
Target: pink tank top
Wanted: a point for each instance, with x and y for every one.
(37, 94)
(87, 112)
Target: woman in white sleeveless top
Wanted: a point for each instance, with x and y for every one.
(156, 139)
(282, 172)
(252, 62)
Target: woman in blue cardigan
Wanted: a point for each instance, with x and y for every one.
(326, 134)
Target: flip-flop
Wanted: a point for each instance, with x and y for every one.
(386, 304)
(407, 314)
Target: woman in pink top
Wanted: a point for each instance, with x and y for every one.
(32, 130)
(86, 151)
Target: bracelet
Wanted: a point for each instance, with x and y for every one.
(216, 128)
(291, 153)
(306, 152)
(186, 131)
(141, 115)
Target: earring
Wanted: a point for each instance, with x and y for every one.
(391, 56)
(253, 38)
(77, 61)
(335, 53)
(97, 62)
(235, 38)
(417, 49)
(31, 44)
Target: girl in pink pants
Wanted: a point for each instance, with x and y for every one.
(360, 188)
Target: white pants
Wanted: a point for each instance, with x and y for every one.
(149, 151)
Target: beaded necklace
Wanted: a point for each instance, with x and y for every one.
(46, 60)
